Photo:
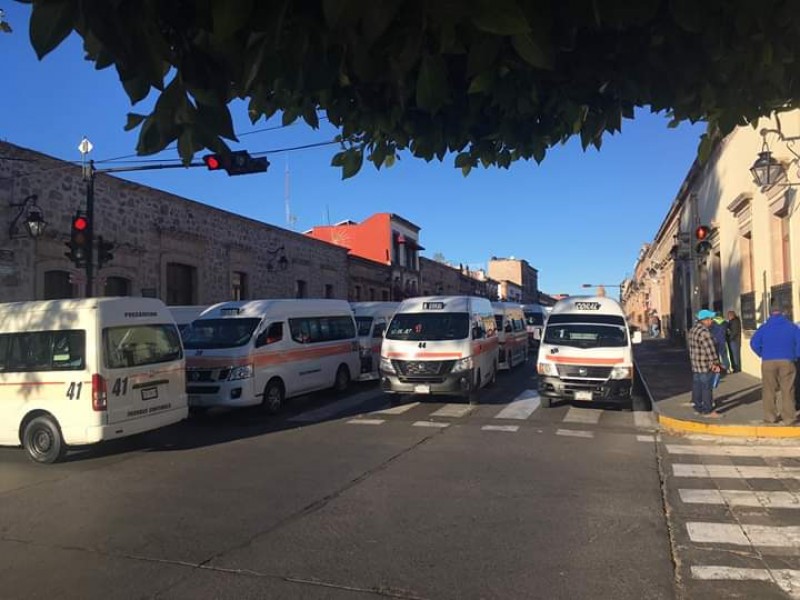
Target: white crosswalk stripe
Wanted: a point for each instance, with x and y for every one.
(396, 410)
(507, 428)
(745, 498)
(734, 450)
(575, 433)
(431, 424)
(743, 535)
(522, 407)
(453, 410)
(589, 416)
(336, 408)
(734, 472)
(367, 421)
(787, 579)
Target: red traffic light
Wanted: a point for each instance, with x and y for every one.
(212, 162)
(80, 223)
(702, 232)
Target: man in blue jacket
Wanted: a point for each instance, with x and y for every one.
(777, 344)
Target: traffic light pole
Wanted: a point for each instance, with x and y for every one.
(90, 233)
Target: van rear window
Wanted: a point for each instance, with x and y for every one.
(63, 350)
(139, 345)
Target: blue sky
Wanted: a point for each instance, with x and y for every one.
(578, 217)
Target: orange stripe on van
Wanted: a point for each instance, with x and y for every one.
(576, 360)
(437, 355)
(271, 357)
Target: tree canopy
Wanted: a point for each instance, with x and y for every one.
(490, 81)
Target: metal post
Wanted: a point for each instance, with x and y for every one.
(90, 230)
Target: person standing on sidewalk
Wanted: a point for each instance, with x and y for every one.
(705, 362)
(719, 331)
(735, 341)
(777, 344)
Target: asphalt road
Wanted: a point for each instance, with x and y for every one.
(361, 496)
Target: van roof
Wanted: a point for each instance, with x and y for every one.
(69, 304)
(259, 308)
(502, 306)
(444, 303)
(588, 305)
(369, 309)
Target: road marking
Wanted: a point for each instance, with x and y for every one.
(583, 415)
(510, 428)
(744, 535)
(787, 579)
(645, 438)
(733, 472)
(396, 410)
(644, 420)
(741, 498)
(431, 424)
(367, 421)
(575, 433)
(453, 410)
(522, 407)
(336, 407)
(711, 450)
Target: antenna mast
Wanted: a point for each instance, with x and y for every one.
(290, 218)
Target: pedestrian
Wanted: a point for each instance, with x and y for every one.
(705, 363)
(719, 330)
(777, 344)
(735, 341)
(655, 326)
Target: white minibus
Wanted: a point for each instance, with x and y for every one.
(511, 334)
(535, 318)
(586, 352)
(440, 345)
(75, 372)
(261, 352)
(371, 321)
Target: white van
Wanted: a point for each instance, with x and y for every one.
(535, 318)
(184, 315)
(261, 352)
(586, 353)
(75, 372)
(371, 321)
(511, 334)
(440, 345)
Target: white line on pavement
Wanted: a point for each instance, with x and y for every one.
(453, 410)
(396, 410)
(337, 406)
(367, 421)
(645, 438)
(522, 407)
(787, 579)
(510, 428)
(734, 472)
(583, 415)
(725, 450)
(431, 424)
(746, 498)
(744, 535)
(575, 433)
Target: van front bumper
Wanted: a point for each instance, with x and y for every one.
(460, 383)
(611, 390)
(234, 394)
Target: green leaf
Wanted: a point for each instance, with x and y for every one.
(390, 160)
(704, 148)
(134, 120)
(432, 83)
(51, 23)
(218, 119)
(481, 83)
(501, 17)
(353, 159)
(230, 16)
(186, 146)
(531, 52)
(5, 27)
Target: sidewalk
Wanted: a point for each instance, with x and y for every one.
(667, 377)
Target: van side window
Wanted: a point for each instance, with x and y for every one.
(43, 351)
(274, 333)
(321, 329)
(378, 330)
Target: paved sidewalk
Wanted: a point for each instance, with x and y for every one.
(667, 377)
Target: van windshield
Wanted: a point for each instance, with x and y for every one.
(220, 333)
(363, 324)
(429, 327)
(586, 335)
(534, 318)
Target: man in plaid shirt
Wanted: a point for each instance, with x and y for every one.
(705, 362)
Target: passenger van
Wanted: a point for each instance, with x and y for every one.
(75, 372)
(440, 345)
(261, 352)
(371, 321)
(586, 352)
(512, 334)
(184, 315)
(535, 317)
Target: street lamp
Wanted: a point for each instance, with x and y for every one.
(34, 219)
(767, 170)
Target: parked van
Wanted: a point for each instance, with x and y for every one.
(535, 317)
(511, 334)
(75, 372)
(184, 315)
(440, 345)
(371, 321)
(586, 352)
(261, 352)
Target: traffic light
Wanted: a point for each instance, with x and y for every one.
(701, 236)
(104, 252)
(236, 163)
(79, 244)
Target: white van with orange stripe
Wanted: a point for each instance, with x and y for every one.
(585, 353)
(440, 345)
(512, 334)
(76, 372)
(371, 321)
(261, 352)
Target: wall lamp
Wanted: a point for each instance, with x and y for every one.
(34, 219)
(767, 170)
(277, 258)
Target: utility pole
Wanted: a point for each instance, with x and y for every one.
(88, 176)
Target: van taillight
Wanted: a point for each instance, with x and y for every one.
(99, 393)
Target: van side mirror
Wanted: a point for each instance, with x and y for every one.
(637, 337)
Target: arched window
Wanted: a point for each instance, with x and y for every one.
(57, 285)
(117, 286)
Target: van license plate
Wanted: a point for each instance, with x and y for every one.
(149, 393)
(422, 389)
(583, 396)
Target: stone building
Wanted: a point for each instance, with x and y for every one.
(519, 272)
(167, 247)
(441, 279)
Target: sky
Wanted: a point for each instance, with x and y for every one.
(578, 217)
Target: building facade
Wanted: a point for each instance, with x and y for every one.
(519, 272)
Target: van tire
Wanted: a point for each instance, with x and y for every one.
(546, 402)
(342, 381)
(43, 441)
(274, 395)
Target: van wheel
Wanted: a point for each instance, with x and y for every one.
(546, 402)
(342, 379)
(42, 440)
(274, 395)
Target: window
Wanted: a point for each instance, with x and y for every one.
(746, 254)
(377, 331)
(181, 284)
(586, 335)
(300, 289)
(220, 333)
(329, 290)
(239, 285)
(363, 324)
(275, 333)
(357, 293)
(118, 286)
(428, 326)
(309, 330)
(384, 295)
(781, 259)
(57, 285)
(372, 294)
(43, 351)
(138, 345)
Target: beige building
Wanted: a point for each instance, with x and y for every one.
(519, 272)
(746, 260)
